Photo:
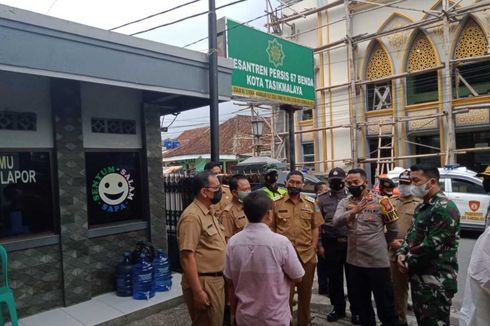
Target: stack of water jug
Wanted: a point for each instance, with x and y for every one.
(142, 279)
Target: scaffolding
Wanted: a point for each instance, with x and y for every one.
(449, 13)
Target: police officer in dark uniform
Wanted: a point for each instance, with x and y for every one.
(333, 246)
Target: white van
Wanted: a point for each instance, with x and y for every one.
(466, 190)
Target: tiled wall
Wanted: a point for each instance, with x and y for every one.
(35, 277)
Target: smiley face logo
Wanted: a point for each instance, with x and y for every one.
(113, 189)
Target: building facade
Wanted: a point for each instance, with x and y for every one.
(80, 150)
(393, 82)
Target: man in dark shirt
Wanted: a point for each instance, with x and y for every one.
(333, 247)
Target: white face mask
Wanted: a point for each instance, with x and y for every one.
(419, 191)
(242, 195)
(405, 190)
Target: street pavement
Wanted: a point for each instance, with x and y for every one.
(320, 305)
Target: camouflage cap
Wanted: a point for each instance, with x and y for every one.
(405, 177)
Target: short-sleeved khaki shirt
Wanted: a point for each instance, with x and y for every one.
(200, 232)
(296, 221)
(233, 218)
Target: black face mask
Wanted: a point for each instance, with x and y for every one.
(486, 184)
(293, 191)
(356, 191)
(217, 197)
(336, 184)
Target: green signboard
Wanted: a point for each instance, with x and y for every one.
(269, 68)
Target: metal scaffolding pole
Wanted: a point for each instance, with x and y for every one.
(447, 93)
(352, 79)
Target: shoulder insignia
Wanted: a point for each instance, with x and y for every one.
(277, 197)
(311, 200)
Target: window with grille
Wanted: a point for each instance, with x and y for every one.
(378, 96)
(308, 152)
(24, 121)
(306, 114)
(114, 126)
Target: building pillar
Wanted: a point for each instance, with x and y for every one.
(153, 150)
(66, 106)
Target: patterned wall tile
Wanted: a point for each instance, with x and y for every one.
(155, 177)
(65, 99)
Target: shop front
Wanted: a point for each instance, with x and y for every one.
(80, 150)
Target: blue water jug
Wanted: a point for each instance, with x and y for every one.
(163, 276)
(124, 282)
(143, 279)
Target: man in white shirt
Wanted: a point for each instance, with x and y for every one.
(476, 302)
(260, 267)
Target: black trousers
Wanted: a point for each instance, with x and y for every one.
(335, 256)
(378, 282)
(321, 272)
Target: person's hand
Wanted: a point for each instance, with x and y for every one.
(359, 207)
(201, 300)
(402, 267)
(320, 251)
(396, 244)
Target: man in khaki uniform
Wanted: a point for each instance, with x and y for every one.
(202, 253)
(405, 205)
(233, 216)
(297, 217)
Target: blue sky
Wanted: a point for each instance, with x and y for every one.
(107, 14)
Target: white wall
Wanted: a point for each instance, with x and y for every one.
(26, 93)
(101, 101)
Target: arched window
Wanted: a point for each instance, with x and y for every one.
(378, 94)
(471, 79)
(422, 87)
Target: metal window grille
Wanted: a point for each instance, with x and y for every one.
(114, 126)
(24, 121)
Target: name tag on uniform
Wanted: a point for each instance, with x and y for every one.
(241, 217)
(210, 226)
(283, 211)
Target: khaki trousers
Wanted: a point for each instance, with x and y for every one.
(212, 316)
(304, 294)
(400, 291)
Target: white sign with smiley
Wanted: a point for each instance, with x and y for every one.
(112, 189)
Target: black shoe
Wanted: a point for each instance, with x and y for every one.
(355, 319)
(335, 315)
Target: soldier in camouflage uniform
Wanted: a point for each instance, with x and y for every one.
(429, 252)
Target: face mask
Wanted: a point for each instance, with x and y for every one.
(356, 191)
(336, 185)
(241, 195)
(420, 191)
(216, 197)
(404, 190)
(293, 191)
(387, 193)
